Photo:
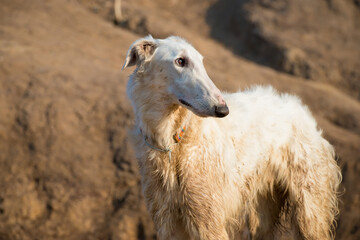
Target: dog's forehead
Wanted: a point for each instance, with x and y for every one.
(175, 46)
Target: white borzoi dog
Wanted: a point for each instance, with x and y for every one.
(214, 164)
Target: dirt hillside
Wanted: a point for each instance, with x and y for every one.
(66, 168)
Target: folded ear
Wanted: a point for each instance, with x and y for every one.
(139, 51)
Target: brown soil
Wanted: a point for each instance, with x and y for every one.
(66, 168)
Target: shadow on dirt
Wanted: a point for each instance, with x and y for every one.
(231, 25)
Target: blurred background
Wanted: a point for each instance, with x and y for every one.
(67, 170)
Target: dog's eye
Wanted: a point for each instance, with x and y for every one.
(180, 61)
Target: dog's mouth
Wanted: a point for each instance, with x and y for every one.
(192, 108)
(185, 103)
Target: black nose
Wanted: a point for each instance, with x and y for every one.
(221, 111)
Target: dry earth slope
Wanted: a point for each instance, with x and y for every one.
(66, 169)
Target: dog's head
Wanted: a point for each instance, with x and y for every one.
(181, 71)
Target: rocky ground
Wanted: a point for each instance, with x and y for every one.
(66, 168)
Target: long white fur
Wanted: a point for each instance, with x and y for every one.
(265, 167)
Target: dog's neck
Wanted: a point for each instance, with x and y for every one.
(162, 131)
(157, 118)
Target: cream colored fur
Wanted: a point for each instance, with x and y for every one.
(265, 167)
